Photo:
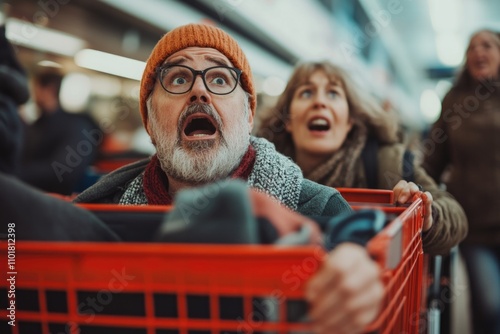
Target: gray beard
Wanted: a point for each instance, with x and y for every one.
(202, 161)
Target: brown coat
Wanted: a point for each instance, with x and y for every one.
(467, 137)
(450, 225)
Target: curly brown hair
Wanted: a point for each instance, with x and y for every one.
(363, 109)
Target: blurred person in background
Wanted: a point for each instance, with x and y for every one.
(466, 137)
(59, 146)
(127, 139)
(197, 102)
(36, 215)
(13, 92)
(341, 137)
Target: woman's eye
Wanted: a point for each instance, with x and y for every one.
(333, 93)
(305, 93)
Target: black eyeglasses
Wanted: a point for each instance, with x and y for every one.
(179, 79)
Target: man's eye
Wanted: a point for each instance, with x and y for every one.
(179, 81)
(219, 81)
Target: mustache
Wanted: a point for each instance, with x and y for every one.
(199, 108)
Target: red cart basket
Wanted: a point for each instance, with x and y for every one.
(141, 288)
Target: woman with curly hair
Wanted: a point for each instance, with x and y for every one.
(330, 128)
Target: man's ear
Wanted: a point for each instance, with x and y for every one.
(148, 120)
(250, 118)
(251, 115)
(148, 130)
(148, 126)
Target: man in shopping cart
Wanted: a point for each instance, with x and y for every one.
(197, 102)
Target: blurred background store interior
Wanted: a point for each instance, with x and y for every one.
(406, 52)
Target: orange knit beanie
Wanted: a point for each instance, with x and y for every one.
(196, 35)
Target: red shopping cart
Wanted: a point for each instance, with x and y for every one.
(165, 288)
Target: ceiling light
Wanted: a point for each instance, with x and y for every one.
(430, 105)
(443, 87)
(165, 13)
(168, 14)
(49, 63)
(75, 92)
(446, 15)
(450, 49)
(105, 86)
(110, 63)
(273, 86)
(309, 38)
(36, 37)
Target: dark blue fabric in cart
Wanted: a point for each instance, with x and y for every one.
(38, 216)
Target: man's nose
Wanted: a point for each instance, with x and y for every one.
(199, 92)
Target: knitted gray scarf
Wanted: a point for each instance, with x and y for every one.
(275, 174)
(272, 173)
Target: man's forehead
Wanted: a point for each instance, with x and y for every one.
(198, 53)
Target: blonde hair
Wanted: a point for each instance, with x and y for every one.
(363, 109)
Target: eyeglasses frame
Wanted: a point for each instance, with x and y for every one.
(196, 73)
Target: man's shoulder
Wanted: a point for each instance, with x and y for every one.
(111, 185)
(312, 189)
(319, 200)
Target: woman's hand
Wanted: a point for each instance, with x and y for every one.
(404, 192)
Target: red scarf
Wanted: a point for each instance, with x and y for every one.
(156, 183)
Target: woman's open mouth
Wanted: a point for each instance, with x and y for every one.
(318, 124)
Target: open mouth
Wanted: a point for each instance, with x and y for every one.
(479, 63)
(318, 124)
(199, 126)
